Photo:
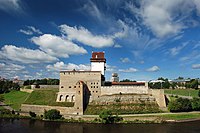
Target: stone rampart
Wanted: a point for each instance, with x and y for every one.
(39, 109)
(159, 96)
(45, 87)
(126, 99)
(110, 90)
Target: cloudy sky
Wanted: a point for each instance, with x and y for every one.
(142, 39)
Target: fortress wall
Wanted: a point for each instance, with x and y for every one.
(56, 87)
(39, 109)
(126, 99)
(110, 90)
(159, 96)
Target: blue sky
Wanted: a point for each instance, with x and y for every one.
(142, 39)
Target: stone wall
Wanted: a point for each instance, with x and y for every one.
(45, 87)
(159, 96)
(126, 99)
(39, 109)
(110, 90)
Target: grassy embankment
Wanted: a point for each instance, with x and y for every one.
(46, 97)
(15, 98)
(183, 92)
(37, 97)
(119, 108)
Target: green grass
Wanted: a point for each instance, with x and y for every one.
(183, 116)
(183, 92)
(123, 109)
(46, 97)
(15, 98)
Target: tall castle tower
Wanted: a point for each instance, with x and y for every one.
(98, 62)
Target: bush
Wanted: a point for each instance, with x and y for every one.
(52, 114)
(199, 93)
(180, 105)
(107, 117)
(196, 104)
(32, 114)
(5, 112)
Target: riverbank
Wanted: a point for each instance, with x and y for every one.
(131, 118)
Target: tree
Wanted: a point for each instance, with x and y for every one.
(52, 114)
(196, 104)
(107, 117)
(180, 105)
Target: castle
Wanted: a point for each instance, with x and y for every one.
(85, 88)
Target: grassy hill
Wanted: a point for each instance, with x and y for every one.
(183, 92)
(46, 97)
(15, 98)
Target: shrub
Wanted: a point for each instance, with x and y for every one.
(32, 114)
(196, 104)
(199, 93)
(1, 98)
(107, 117)
(180, 105)
(5, 112)
(52, 114)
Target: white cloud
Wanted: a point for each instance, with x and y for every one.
(57, 46)
(27, 32)
(70, 66)
(164, 18)
(117, 46)
(128, 70)
(30, 30)
(11, 6)
(84, 36)
(125, 60)
(176, 50)
(153, 69)
(196, 66)
(11, 67)
(25, 55)
(110, 68)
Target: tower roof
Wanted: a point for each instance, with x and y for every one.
(97, 57)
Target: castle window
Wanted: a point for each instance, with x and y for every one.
(91, 83)
(79, 92)
(97, 86)
(77, 107)
(96, 91)
(74, 86)
(94, 83)
(70, 87)
(62, 86)
(97, 83)
(73, 98)
(94, 86)
(93, 91)
(91, 86)
(60, 97)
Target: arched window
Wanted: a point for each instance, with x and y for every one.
(60, 97)
(73, 98)
(67, 98)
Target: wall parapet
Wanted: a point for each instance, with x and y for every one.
(39, 109)
(110, 90)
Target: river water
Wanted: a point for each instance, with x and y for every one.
(37, 126)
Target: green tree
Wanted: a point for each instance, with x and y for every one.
(52, 114)
(180, 105)
(196, 104)
(107, 117)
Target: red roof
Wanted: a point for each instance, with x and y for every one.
(98, 57)
(128, 83)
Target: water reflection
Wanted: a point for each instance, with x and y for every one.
(32, 126)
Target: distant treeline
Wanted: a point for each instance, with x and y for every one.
(6, 86)
(193, 84)
(42, 82)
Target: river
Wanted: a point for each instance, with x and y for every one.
(37, 126)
